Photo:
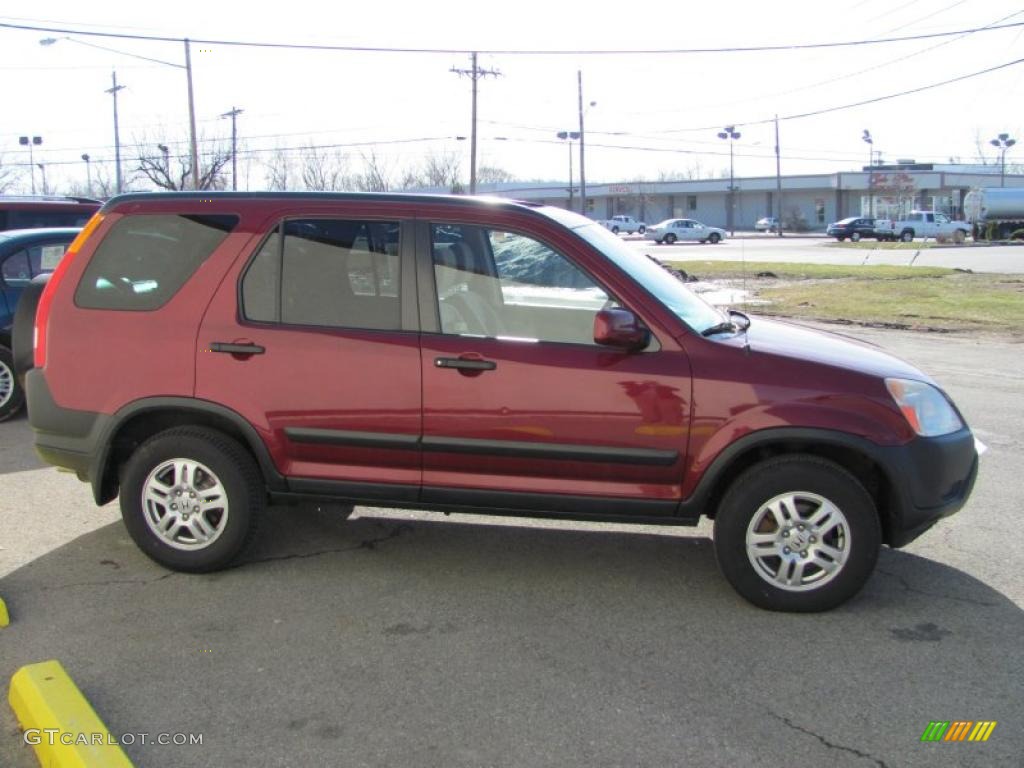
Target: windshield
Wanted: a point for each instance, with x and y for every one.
(685, 304)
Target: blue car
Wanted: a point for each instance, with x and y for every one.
(24, 254)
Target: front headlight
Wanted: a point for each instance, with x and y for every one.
(925, 408)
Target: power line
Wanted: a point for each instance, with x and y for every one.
(506, 51)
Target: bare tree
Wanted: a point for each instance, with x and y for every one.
(173, 170)
(694, 170)
(491, 174)
(322, 169)
(280, 171)
(375, 176)
(103, 185)
(9, 175)
(443, 170)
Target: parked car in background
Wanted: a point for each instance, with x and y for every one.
(482, 356)
(854, 227)
(623, 223)
(922, 224)
(671, 230)
(24, 254)
(32, 212)
(767, 224)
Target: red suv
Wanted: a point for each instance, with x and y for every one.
(201, 355)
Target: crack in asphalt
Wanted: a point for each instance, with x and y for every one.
(906, 585)
(370, 544)
(827, 743)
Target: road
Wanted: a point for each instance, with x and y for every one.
(409, 639)
(821, 250)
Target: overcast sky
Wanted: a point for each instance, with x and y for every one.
(654, 113)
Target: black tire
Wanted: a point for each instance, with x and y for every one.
(229, 462)
(907, 235)
(12, 396)
(670, 238)
(959, 236)
(714, 238)
(840, 238)
(615, 230)
(797, 474)
(855, 237)
(642, 230)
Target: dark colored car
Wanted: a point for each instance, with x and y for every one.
(25, 212)
(24, 254)
(200, 354)
(854, 228)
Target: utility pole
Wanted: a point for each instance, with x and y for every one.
(117, 135)
(88, 174)
(192, 116)
(778, 181)
(474, 73)
(234, 113)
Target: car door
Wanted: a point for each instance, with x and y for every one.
(319, 348)
(520, 407)
(691, 229)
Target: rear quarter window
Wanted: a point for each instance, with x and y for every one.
(145, 260)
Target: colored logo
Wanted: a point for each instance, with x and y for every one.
(958, 730)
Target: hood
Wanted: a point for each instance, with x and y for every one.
(799, 342)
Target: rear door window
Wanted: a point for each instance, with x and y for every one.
(329, 272)
(145, 260)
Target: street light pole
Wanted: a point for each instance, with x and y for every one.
(31, 141)
(571, 136)
(866, 137)
(42, 170)
(1003, 142)
(233, 114)
(117, 135)
(731, 134)
(88, 174)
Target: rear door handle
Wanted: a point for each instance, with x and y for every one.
(232, 348)
(465, 364)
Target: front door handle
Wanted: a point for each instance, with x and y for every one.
(233, 348)
(465, 364)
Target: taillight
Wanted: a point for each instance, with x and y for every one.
(46, 299)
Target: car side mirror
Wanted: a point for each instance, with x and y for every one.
(620, 328)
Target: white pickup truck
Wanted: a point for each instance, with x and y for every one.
(922, 224)
(622, 223)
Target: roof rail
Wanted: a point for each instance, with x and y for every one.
(47, 199)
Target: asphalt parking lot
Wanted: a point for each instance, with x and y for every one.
(408, 639)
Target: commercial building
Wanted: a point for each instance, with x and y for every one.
(809, 202)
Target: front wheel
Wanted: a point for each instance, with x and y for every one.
(855, 237)
(12, 396)
(959, 236)
(615, 230)
(670, 238)
(714, 237)
(797, 533)
(191, 498)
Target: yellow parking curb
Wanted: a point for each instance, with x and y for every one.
(5, 617)
(58, 721)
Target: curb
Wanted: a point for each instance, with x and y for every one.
(5, 617)
(43, 696)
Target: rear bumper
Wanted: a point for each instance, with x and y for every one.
(64, 437)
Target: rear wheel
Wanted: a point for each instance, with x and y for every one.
(191, 498)
(959, 236)
(797, 533)
(907, 236)
(714, 237)
(642, 230)
(615, 230)
(840, 238)
(11, 394)
(670, 238)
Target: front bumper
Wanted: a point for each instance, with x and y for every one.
(931, 478)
